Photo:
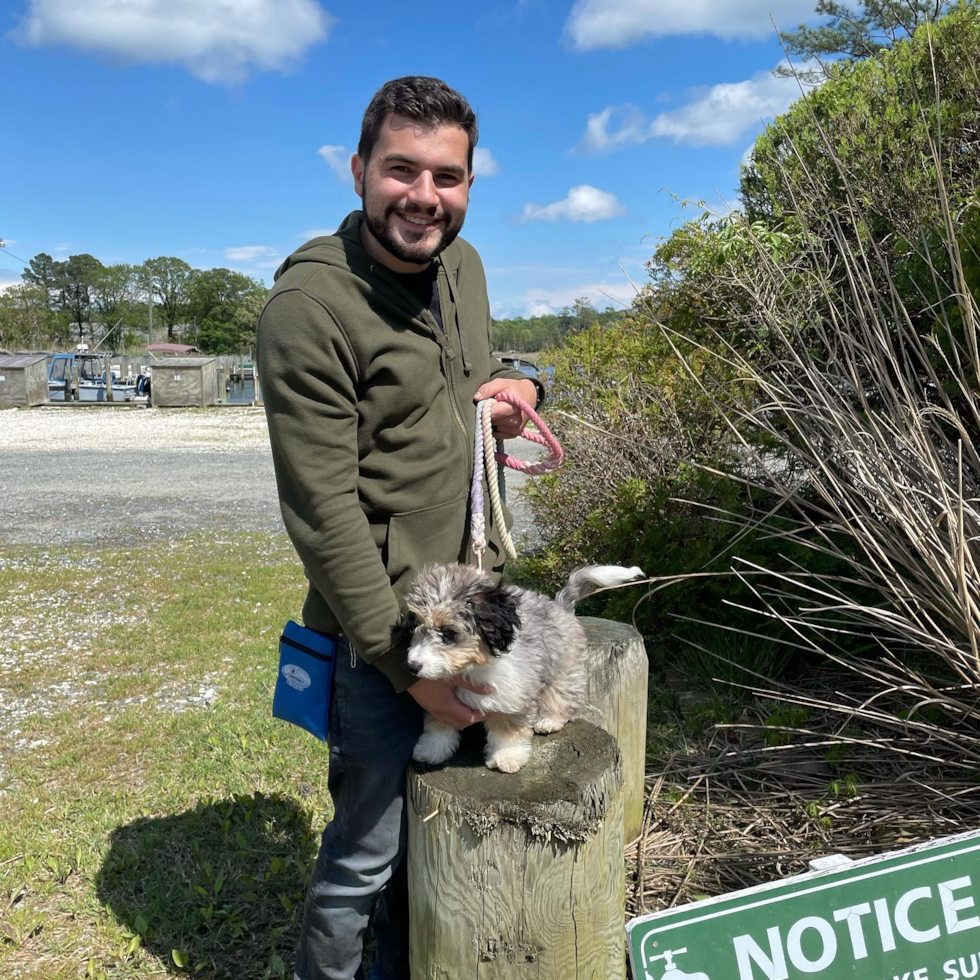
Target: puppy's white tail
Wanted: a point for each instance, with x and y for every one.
(595, 578)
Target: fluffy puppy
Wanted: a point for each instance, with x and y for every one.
(529, 648)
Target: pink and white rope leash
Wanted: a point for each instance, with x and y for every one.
(486, 461)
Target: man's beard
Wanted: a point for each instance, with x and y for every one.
(420, 253)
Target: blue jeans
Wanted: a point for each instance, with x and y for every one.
(372, 733)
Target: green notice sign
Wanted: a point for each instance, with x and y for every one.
(907, 915)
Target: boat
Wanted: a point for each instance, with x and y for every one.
(91, 380)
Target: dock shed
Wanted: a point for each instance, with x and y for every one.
(23, 380)
(179, 382)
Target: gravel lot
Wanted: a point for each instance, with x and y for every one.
(100, 475)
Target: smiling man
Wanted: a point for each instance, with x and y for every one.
(372, 348)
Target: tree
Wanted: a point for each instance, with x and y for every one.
(226, 306)
(113, 293)
(26, 319)
(47, 277)
(879, 25)
(169, 279)
(868, 136)
(80, 273)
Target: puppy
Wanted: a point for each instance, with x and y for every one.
(529, 648)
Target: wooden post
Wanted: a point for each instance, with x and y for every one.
(519, 876)
(617, 695)
(108, 378)
(75, 383)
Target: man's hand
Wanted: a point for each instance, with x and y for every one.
(439, 699)
(508, 420)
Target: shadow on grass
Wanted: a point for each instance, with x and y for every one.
(216, 891)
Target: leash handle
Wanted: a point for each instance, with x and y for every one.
(488, 461)
(542, 437)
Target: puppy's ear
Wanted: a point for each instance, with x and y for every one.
(495, 616)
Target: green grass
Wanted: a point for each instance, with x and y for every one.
(137, 840)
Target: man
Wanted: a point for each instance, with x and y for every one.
(372, 348)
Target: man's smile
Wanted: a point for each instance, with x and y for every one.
(419, 222)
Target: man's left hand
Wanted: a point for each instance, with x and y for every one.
(508, 420)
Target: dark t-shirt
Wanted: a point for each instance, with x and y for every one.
(425, 285)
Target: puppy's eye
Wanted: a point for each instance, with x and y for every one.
(411, 621)
(449, 634)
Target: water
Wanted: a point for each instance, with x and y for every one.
(240, 392)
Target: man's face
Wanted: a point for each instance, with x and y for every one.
(415, 189)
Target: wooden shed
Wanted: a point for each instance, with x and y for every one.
(23, 380)
(184, 381)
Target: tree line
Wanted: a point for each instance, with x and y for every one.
(536, 333)
(61, 303)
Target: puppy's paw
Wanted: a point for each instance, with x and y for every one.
(434, 747)
(509, 759)
(549, 724)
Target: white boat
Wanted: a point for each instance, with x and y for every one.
(91, 380)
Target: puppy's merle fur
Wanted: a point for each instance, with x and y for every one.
(529, 648)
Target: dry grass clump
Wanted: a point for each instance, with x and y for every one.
(728, 817)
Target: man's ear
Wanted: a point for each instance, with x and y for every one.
(495, 616)
(357, 169)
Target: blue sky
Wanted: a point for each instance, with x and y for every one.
(220, 130)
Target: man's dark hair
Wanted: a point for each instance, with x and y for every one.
(429, 101)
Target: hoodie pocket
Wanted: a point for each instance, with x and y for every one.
(431, 534)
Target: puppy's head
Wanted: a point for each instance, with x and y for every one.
(458, 620)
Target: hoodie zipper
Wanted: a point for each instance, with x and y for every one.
(446, 354)
(442, 279)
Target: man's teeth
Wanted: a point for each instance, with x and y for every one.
(417, 221)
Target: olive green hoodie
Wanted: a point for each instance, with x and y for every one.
(370, 409)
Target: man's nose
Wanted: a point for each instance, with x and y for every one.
(423, 191)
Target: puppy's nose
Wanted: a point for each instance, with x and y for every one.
(414, 666)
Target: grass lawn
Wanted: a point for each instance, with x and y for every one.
(154, 818)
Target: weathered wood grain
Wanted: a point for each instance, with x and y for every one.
(617, 695)
(519, 876)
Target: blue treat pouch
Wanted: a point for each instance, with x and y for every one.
(305, 679)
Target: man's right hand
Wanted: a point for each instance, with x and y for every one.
(439, 699)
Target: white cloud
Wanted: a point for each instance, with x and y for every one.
(215, 40)
(719, 118)
(584, 203)
(538, 308)
(539, 302)
(622, 23)
(484, 165)
(634, 128)
(256, 256)
(338, 160)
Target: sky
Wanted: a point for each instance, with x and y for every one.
(221, 131)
